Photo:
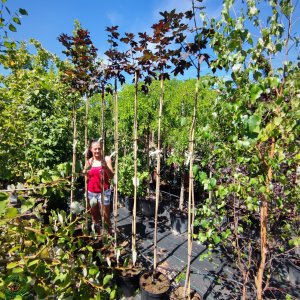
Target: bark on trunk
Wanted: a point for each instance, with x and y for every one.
(134, 251)
(263, 230)
(86, 156)
(73, 159)
(116, 169)
(187, 285)
(158, 172)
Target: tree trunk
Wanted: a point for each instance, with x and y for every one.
(86, 146)
(73, 158)
(158, 172)
(181, 199)
(134, 251)
(148, 160)
(263, 229)
(187, 285)
(116, 169)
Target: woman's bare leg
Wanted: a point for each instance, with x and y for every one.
(95, 212)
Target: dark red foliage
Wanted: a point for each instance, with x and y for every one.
(83, 77)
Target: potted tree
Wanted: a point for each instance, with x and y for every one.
(154, 284)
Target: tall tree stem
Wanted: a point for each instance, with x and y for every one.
(73, 158)
(134, 252)
(116, 138)
(86, 156)
(161, 100)
(187, 285)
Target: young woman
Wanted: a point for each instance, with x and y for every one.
(98, 170)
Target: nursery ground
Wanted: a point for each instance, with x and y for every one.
(172, 254)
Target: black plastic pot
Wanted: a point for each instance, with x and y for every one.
(147, 207)
(128, 283)
(179, 221)
(157, 290)
(293, 273)
(128, 202)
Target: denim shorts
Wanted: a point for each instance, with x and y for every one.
(97, 197)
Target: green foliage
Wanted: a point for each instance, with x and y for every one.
(8, 20)
(126, 176)
(252, 133)
(246, 144)
(50, 261)
(35, 114)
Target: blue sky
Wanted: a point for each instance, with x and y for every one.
(48, 19)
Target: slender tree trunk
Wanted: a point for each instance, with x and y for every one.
(181, 199)
(73, 158)
(116, 138)
(86, 155)
(134, 252)
(161, 100)
(148, 160)
(263, 229)
(103, 154)
(210, 192)
(187, 285)
(102, 117)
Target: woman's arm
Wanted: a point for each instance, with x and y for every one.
(86, 168)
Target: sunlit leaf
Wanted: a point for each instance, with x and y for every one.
(16, 20)
(11, 212)
(107, 279)
(12, 265)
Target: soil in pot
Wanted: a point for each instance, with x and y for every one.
(178, 294)
(179, 221)
(154, 286)
(128, 279)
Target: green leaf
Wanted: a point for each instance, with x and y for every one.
(253, 124)
(277, 121)
(11, 212)
(33, 262)
(14, 249)
(23, 12)
(216, 239)
(18, 270)
(255, 92)
(203, 176)
(90, 248)
(12, 265)
(212, 182)
(11, 27)
(17, 20)
(3, 196)
(27, 205)
(93, 270)
(183, 121)
(113, 294)
(107, 279)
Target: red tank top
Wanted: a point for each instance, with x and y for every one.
(95, 180)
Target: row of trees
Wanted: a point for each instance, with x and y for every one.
(242, 129)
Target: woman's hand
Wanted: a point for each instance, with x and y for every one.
(86, 170)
